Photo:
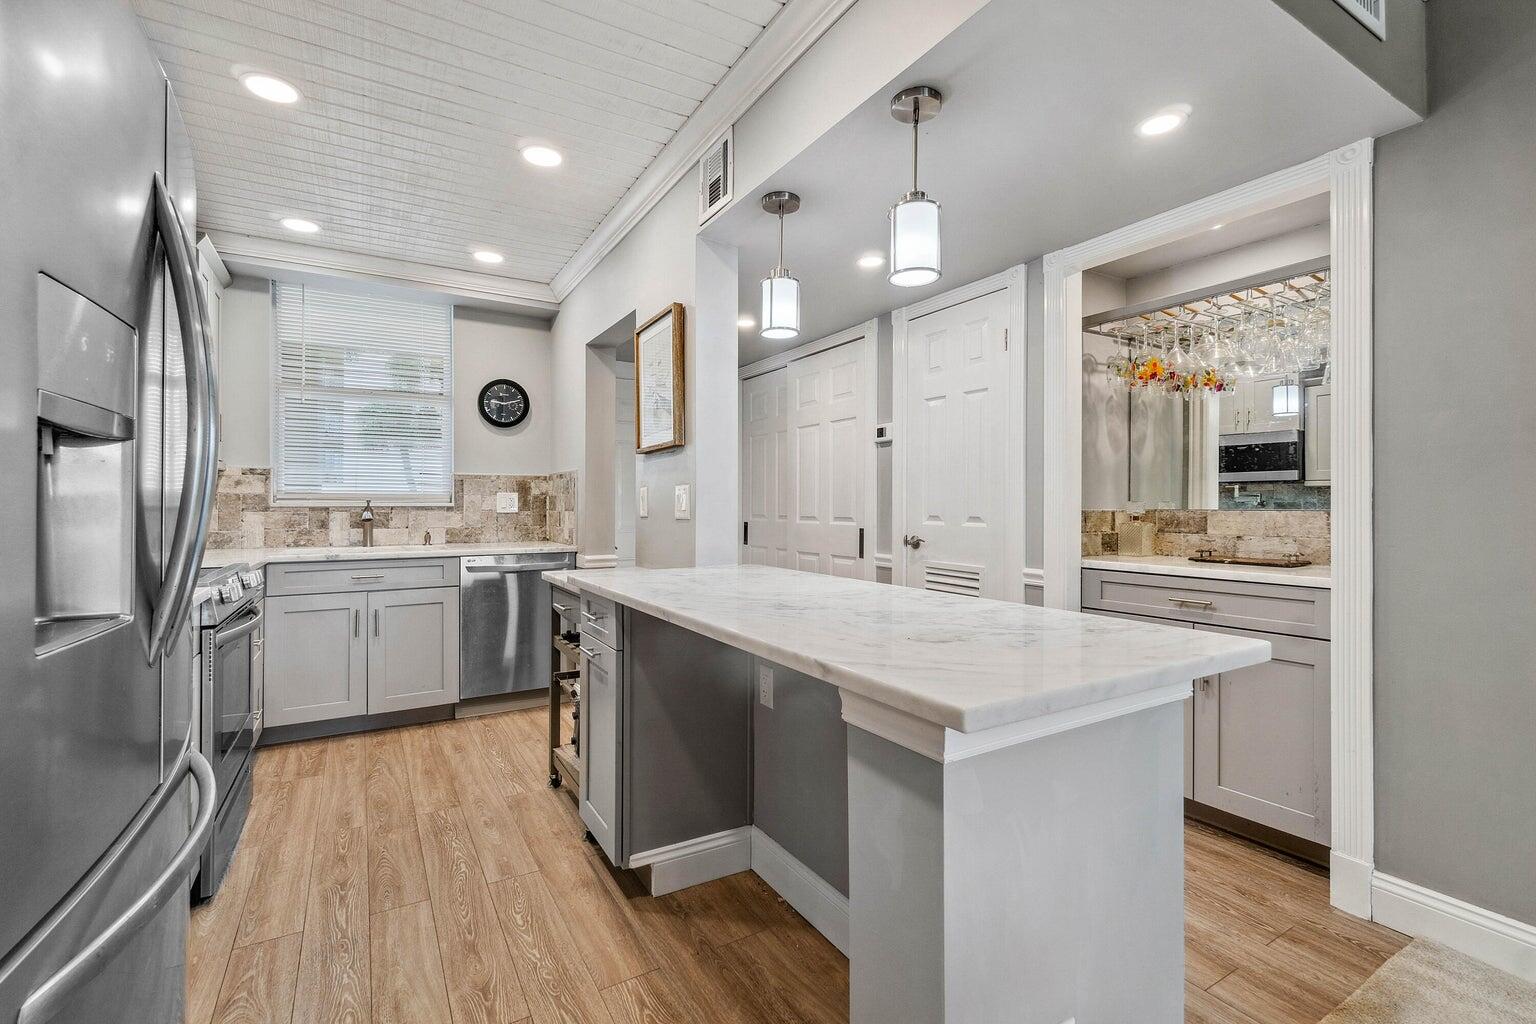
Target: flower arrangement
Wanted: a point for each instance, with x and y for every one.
(1151, 370)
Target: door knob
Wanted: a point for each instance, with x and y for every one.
(912, 541)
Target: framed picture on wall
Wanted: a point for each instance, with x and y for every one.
(659, 388)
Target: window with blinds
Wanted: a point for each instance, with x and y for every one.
(362, 398)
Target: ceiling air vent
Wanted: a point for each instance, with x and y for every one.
(1370, 13)
(716, 171)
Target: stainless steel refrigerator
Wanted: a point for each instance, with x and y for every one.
(107, 447)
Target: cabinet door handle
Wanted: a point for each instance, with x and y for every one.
(593, 618)
(367, 577)
(357, 623)
(1205, 685)
(560, 608)
(590, 654)
(375, 622)
(1189, 602)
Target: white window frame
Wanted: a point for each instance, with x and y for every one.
(340, 500)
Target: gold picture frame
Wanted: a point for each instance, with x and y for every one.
(660, 391)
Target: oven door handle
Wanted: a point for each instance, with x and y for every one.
(246, 628)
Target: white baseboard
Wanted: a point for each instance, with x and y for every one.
(1505, 943)
(696, 861)
(816, 901)
(1349, 884)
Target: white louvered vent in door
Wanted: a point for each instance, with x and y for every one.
(716, 174)
(953, 578)
(1370, 13)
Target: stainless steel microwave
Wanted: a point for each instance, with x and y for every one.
(1261, 457)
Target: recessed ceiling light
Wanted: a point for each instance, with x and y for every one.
(486, 256)
(299, 224)
(746, 323)
(542, 156)
(1164, 121)
(269, 88)
(871, 261)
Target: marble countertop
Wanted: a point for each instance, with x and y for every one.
(1319, 576)
(960, 662)
(257, 557)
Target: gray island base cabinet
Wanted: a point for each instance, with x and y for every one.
(1013, 778)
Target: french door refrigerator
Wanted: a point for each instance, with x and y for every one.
(107, 447)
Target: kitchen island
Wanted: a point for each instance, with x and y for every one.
(1014, 777)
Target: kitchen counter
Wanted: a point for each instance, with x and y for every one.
(257, 557)
(1319, 576)
(961, 663)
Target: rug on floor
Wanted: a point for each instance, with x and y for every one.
(1427, 983)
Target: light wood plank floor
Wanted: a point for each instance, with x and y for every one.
(428, 875)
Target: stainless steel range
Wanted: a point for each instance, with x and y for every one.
(231, 637)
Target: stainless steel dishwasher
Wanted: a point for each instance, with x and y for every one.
(504, 622)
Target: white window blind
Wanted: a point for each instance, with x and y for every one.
(362, 403)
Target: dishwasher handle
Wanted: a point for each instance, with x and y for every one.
(525, 567)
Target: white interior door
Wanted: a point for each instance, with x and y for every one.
(765, 469)
(955, 441)
(831, 431)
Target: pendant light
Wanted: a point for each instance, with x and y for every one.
(915, 217)
(781, 289)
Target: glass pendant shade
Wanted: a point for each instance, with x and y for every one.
(914, 241)
(781, 306)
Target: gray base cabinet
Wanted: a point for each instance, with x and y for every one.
(601, 680)
(1256, 741)
(1262, 739)
(359, 652)
(413, 649)
(317, 659)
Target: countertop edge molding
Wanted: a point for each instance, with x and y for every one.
(258, 557)
(1314, 577)
(946, 746)
(947, 697)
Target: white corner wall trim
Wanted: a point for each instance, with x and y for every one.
(1034, 577)
(810, 894)
(1505, 943)
(792, 31)
(1345, 176)
(268, 255)
(696, 861)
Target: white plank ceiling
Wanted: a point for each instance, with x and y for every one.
(404, 144)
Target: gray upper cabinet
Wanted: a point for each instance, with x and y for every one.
(1262, 739)
(413, 649)
(316, 658)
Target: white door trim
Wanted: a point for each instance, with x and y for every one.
(768, 364)
(866, 337)
(1014, 280)
(1344, 175)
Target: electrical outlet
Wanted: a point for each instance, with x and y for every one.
(506, 501)
(765, 686)
(643, 503)
(681, 509)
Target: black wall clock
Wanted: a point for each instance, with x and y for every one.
(503, 403)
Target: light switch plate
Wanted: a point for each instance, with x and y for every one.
(506, 501)
(681, 508)
(765, 686)
(643, 503)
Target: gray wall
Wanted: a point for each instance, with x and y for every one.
(1396, 64)
(800, 772)
(1455, 431)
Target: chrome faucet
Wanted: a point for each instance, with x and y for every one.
(368, 523)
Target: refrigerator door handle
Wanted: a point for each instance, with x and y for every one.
(49, 998)
(196, 506)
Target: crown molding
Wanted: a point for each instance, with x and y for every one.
(792, 31)
(250, 254)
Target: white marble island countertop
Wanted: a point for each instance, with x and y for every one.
(258, 557)
(963, 663)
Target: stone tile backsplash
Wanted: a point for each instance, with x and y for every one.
(244, 517)
(1229, 533)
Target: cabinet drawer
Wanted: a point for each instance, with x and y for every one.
(566, 606)
(600, 620)
(350, 577)
(1269, 608)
